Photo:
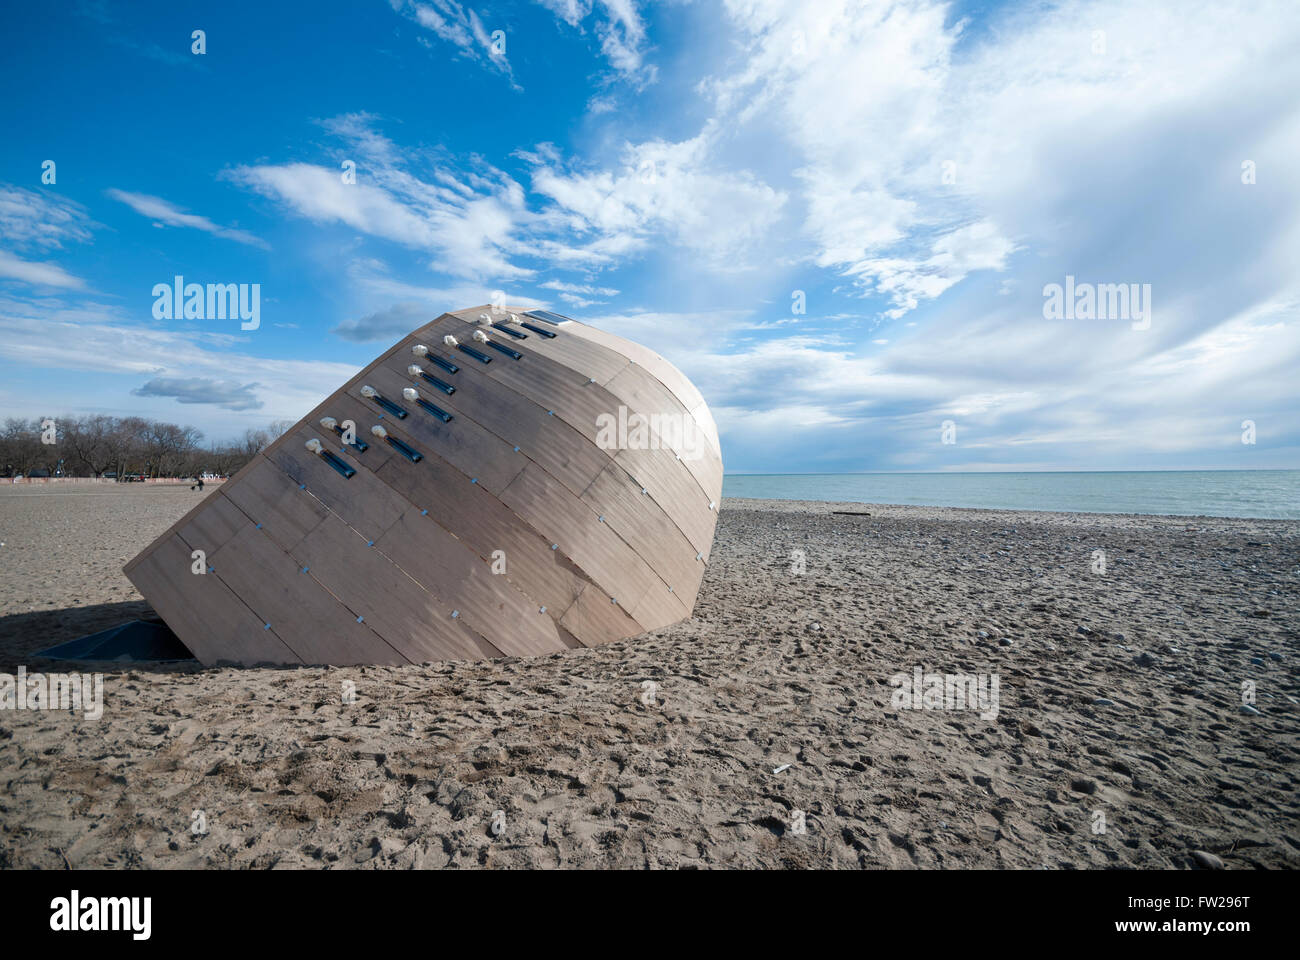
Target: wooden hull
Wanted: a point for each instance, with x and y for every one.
(564, 494)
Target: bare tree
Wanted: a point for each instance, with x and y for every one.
(21, 450)
(96, 442)
(92, 445)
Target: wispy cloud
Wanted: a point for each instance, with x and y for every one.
(580, 294)
(584, 288)
(164, 213)
(40, 220)
(39, 274)
(674, 191)
(619, 28)
(474, 219)
(468, 235)
(462, 27)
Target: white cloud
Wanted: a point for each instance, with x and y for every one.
(921, 164)
(580, 294)
(673, 190)
(477, 224)
(468, 237)
(167, 214)
(462, 27)
(32, 220)
(39, 221)
(38, 274)
(908, 281)
(618, 26)
(582, 288)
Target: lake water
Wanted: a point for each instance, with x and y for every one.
(1218, 493)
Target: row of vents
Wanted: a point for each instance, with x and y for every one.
(412, 395)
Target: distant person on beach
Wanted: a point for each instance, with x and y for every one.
(198, 481)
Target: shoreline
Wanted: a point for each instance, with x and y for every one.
(754, 503)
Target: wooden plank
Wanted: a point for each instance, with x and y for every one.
(267, 496)
(656, 365)
(322, 409)
(549, 441)
(412, 620)
(667, 374)
(201, 504)
(658, 607)
(649, 531)
(597, 620)
(669, 482)
(686, 571)
(579, 354)
(200, 609)
(581, 404)
(643, 393)
(570, 641)
(216, 526)
(310, 620)
(343, 407)
(485, 524)
(593, 546)
(475, 451)
(549, 384)
(489, 603)
(368, 504)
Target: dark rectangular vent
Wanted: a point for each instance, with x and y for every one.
(509, 329)
(445, 364)
(441, 414)
(338, 464)
(390, 407)
(410, 453)
(360, 445)
(442, 385)
(549, 335)
(546, 316)
(476, 354)
(508, 351)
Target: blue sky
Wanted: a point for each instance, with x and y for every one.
(681, 173)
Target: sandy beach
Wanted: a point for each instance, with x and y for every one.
(1119, 707)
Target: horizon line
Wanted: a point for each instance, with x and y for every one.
(941, 473)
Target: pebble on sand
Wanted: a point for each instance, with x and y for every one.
(1207, 861)
(1246, 708)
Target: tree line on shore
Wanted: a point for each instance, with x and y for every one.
(99, 445)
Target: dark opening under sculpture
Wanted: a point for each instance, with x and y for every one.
(498, 483)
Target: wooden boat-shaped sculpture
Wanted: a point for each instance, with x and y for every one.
(501, 482)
